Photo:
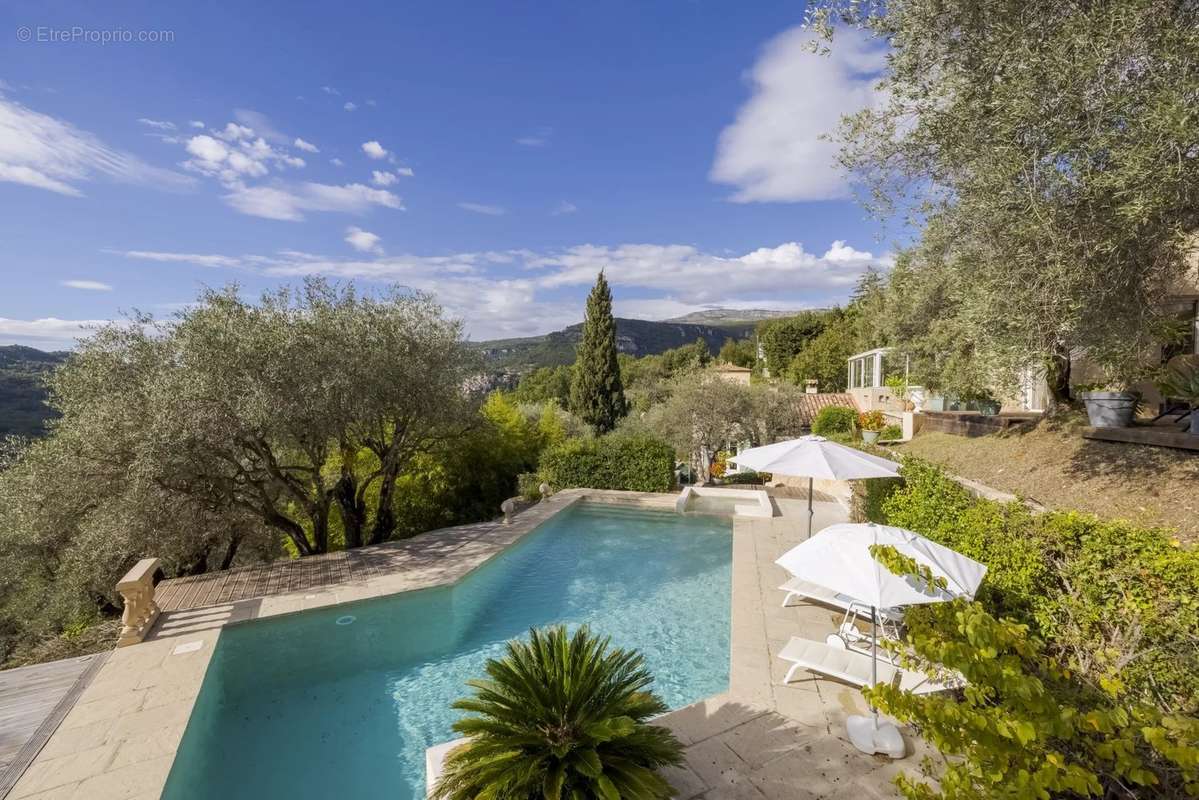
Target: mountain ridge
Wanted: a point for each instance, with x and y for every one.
(636, 337)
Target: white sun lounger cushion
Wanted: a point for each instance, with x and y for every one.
(851, 666)
(819, 594)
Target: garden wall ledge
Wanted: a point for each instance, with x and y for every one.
(119, 739)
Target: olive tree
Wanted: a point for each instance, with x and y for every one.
(1052, 151)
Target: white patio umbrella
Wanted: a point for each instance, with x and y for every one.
(814, 457)
(839, 558)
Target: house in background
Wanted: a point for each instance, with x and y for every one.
(733, 373)
(867, 371)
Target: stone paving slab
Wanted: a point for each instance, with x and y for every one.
(120, 738)
(760, 740)
(763, 740)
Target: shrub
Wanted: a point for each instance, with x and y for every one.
(749, 477)
(616, 461)
(561, 717)
(834, 420)
(528, 486)
(1026, 726)
(719, 465)
(1114, 601)
(891, 433)
(1079, 653)
(871, 421)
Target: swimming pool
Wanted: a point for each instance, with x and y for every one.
(341, 702)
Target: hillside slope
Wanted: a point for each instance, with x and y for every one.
(23, 409)
(1053, 465)
(636, 337)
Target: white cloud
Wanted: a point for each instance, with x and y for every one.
(540, 137)
(307, 147)
(289, 202)
(330, 90)
(261, 125)
(349, 106)
(774, 150)
(233, 132)
(694, 276)
(48, 333)
(404, 172)
(234, 154)
(363, 241)
(179, 258)
(91, 286)
(371, 103)
(564, 208)
(43, 152)
(157, 124)
(195, 123)
(383, 178)
(480, 208)
(337, 162)
(520, 292)
(375, 150)
(206, 148)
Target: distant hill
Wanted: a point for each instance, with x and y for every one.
(23, 409)
(730, 316)
(636, 337)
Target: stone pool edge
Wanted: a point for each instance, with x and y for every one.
(119, 740)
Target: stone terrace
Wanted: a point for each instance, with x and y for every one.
(760, 740)
(763, 740)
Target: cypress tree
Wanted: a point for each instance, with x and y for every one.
(596, 391)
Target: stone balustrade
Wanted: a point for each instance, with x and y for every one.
(137, 590)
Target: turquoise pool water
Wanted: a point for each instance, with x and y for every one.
(342, 702)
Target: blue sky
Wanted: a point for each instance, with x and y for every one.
(497, 155)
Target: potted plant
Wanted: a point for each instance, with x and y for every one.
(1109, 405)
(1181, 380)
(987, 405)
(1112, 402)
(898, 384)
(871, 424)
(979, 400)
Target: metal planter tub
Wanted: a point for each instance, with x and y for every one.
(1110, 409)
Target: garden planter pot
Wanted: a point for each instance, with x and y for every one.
(988, 408)
(870, 437)
(1110, 409)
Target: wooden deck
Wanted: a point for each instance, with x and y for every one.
(1157, 435)
(33, 700)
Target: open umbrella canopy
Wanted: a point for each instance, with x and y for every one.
(839, 558)
(816, 457)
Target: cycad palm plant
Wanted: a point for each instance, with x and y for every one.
(561, 717)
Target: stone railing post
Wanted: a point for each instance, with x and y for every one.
(137, 590)
(509, 508)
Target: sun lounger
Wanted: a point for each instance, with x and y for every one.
(816, 593)
(851, 666)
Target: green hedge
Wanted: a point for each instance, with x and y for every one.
(1112, 599)
(833, 420)
(615, 461)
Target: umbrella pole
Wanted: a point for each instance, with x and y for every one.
(874, 659)
(811, 513)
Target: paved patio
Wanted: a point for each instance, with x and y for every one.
(763, 740)
(759, 740)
